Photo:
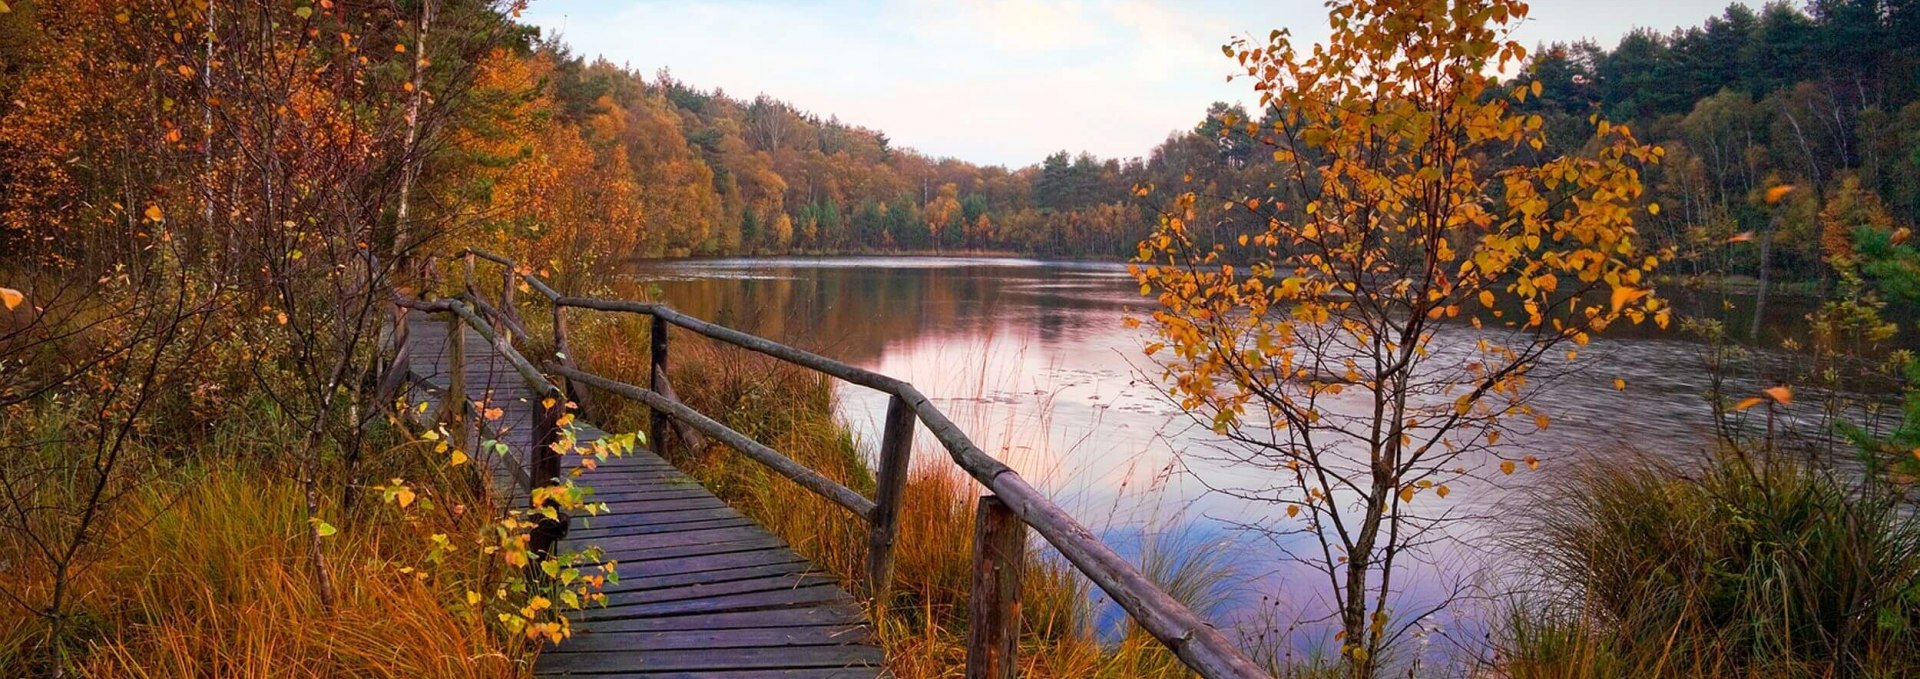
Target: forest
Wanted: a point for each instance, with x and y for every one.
(1821, 96)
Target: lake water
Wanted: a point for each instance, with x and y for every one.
(1034, 361)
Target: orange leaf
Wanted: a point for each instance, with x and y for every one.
(1506, 466)
(1441, 491)
(1623, 296)
(1532, 462)
(1781, 394)
(1741, 237)
(1901, 235)
(1747, 403)
(1619, 384)
(154, 214)
(11, 298)
(1776, 193)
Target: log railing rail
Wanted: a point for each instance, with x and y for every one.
(1003, 516)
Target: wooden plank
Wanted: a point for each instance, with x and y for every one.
(710, 576)
(590, 535)
(863, 672)
(712, 562)
(822, 615)
(624, 556)
(711, 590)
(645, 544)
(765, 637)
(715, 659)
(748, 601)
(608, 522)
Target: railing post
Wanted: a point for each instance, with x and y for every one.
(993, 615)
(896, 454)
(507, 309)
(543, 462)
(393, 382)
(462, 428)
(657, 427)
(563, 350)
(453, 406)
(543, 467)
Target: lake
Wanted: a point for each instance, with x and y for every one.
(1034, 361)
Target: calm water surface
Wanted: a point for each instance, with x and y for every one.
(1033, 360)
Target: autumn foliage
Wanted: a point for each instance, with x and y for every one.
(1366, 328)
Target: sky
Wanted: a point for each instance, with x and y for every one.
(1001, 82)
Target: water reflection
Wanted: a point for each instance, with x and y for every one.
(1033, 360)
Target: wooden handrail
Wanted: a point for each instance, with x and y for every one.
(1197, 643)
(785, 466)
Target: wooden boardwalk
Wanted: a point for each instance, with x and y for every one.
(704, 591)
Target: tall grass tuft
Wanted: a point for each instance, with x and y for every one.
(1739, 568)
(208, 576)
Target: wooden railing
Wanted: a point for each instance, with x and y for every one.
(1002, 517)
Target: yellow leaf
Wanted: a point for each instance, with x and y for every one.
(1486, 298)
(1623, 296)
(1653, 208)
(1747, 403)
(11, 298)
(404, 496)
(458, 458)
(1781, 394)
(1619, 384)
(1406, 494)
(154, 214)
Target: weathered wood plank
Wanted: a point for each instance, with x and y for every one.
(767, 637)
(824, 615)
(808, 673)
(714, 659)
(748, 601)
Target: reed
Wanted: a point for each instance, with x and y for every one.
(1737, 569)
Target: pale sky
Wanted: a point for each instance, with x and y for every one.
(999, 81)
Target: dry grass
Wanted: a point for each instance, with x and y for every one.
(207, 575)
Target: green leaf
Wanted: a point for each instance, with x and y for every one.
(323, 528)
(303, 12)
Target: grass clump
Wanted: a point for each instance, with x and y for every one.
(1739, 568)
